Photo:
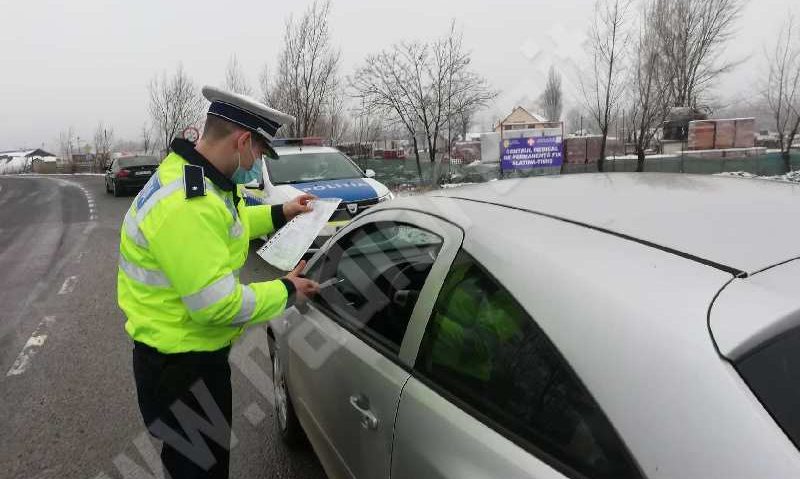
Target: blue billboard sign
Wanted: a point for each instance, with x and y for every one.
(534, 152)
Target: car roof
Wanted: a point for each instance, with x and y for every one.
(622, 313)
(734, 224)
(297, 150)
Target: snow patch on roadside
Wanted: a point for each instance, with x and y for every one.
(791, 177)
(447, 186)
(737, 174)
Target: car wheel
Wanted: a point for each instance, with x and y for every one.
(285, 418)
(115, 189)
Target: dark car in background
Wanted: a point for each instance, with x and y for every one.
(127, 175)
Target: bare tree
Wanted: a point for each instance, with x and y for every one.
(67, 145)
(650, 86)
(422, 87)
(463, 120)
(782, 90)
(553, 98)
(692, 36)
(234, 78)
(365, 129)
(103, 139)
(575, 120)
(384, 84)
(467, 91)
(603, 87)
(335, 118)
(264, 87)
(307, 70)
(126, 145)
(175, 103)
(147, 139)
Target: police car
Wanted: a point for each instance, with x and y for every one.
(305, 166)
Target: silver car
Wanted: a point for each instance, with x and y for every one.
(587, 326)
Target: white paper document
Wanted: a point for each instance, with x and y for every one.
(288, 245)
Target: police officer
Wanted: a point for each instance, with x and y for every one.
(183, 242)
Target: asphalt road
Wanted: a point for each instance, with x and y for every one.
(66, 387)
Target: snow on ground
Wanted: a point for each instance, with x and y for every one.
(737, 174)
(791, 177)
(447, 186)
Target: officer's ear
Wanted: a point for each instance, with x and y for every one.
(242, 140)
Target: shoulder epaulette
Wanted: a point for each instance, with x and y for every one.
(194, 182)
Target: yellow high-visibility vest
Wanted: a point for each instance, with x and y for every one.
(178, 279)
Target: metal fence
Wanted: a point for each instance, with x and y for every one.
(771, 164)
(400, 174)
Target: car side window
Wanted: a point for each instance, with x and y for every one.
(377, 272)
(483, 348)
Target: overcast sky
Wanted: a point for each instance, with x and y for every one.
(76, 63)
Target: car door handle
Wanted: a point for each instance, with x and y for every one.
(368, 419)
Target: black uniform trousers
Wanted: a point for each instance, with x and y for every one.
(183, 399)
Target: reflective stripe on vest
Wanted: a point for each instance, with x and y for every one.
(211, 294)
(132, 223)
(149, 277)
(236, 230)
(248, 306)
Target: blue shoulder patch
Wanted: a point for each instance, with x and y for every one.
(152, 185)
(231, 208)
(251, 201)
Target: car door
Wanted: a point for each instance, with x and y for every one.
(346, 365)
(491, 396)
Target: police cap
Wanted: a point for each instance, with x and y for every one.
(248, 113)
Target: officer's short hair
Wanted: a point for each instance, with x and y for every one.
(216, 128)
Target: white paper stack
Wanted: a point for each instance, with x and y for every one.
(288, 245)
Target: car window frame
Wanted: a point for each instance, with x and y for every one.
(361, 253)
(452, 237)
(492, 423)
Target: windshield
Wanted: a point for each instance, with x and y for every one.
(308, 167)
(137, 161)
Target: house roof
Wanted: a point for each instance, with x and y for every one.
(38, 152)
(522, 116)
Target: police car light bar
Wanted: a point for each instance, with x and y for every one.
(308, 141)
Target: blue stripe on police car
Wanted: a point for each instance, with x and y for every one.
(355, 189)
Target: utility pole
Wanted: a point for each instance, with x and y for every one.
(106, 152)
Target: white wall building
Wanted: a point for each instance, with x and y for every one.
(21, 161)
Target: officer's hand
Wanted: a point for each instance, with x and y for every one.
(305, 288)
(301, 204)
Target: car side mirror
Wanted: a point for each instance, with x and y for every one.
(370, 173)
